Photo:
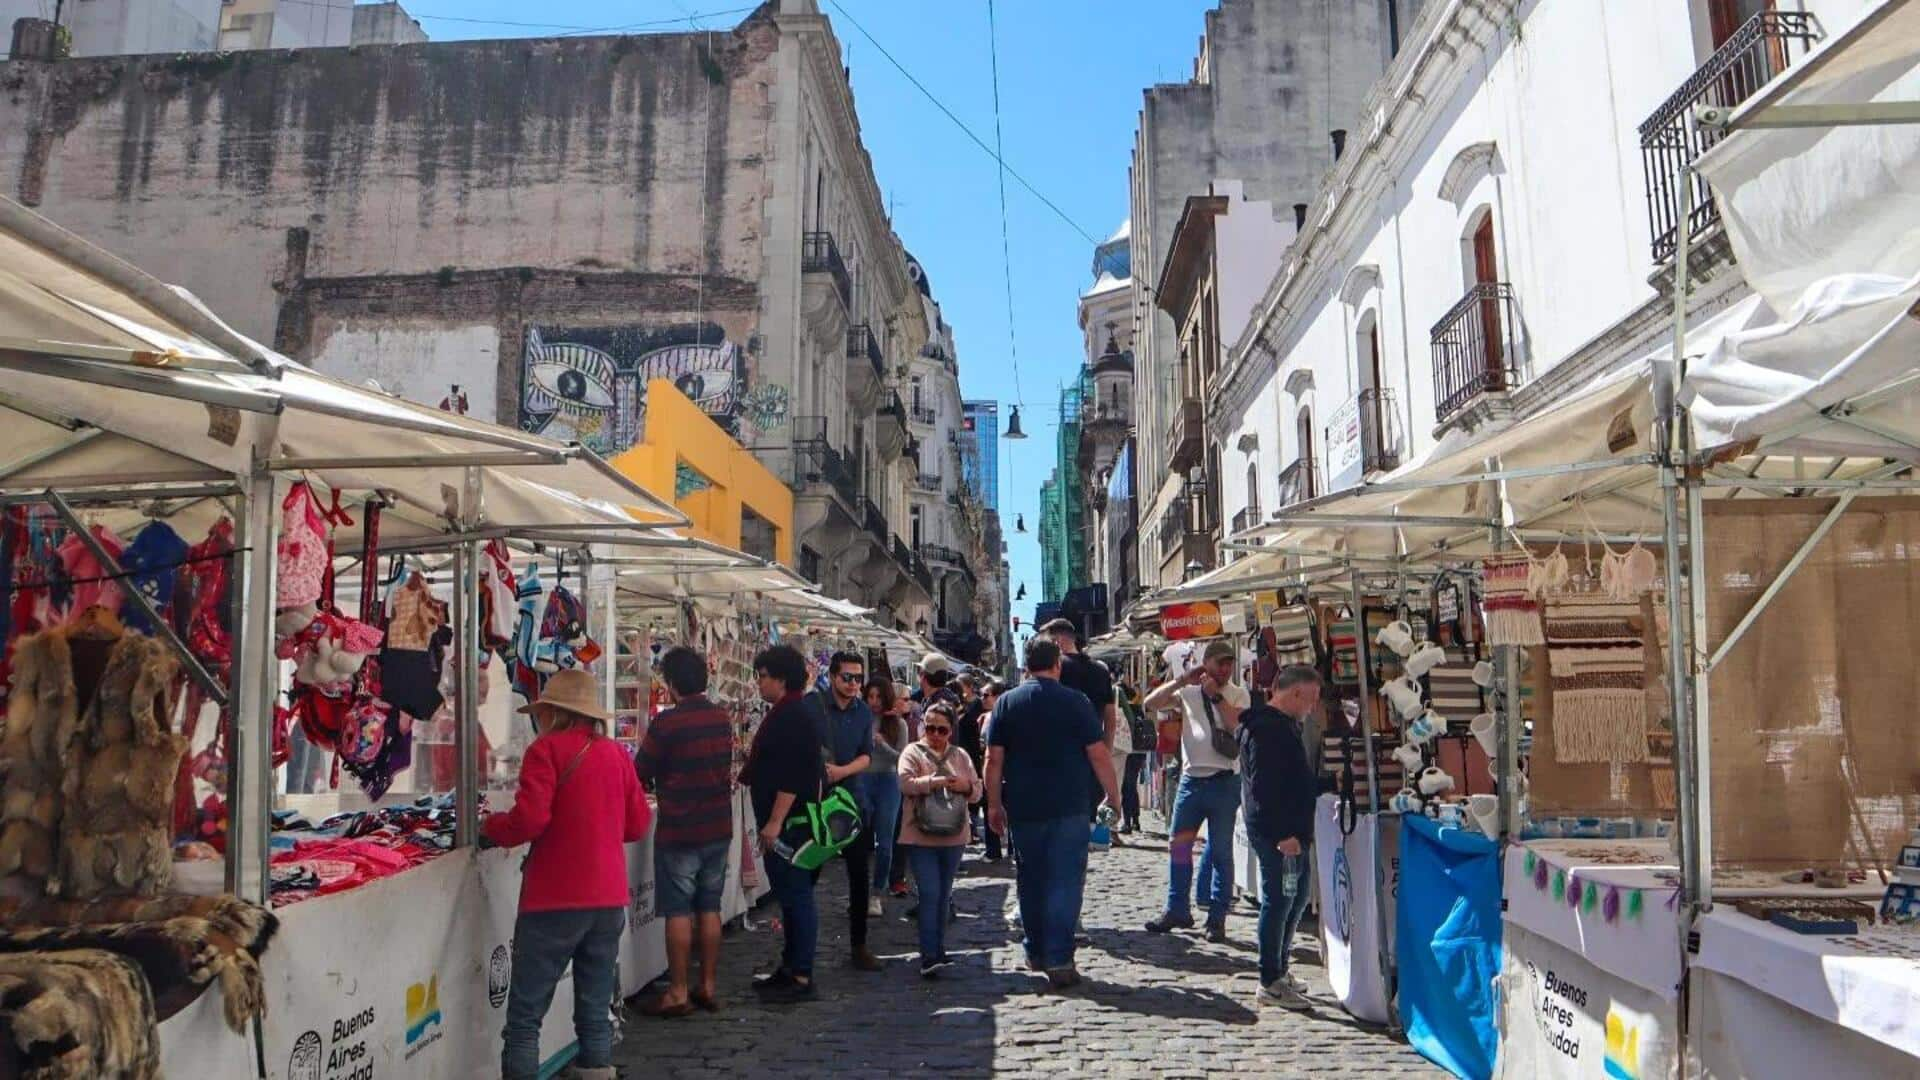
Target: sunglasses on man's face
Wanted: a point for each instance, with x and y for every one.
(850, 676)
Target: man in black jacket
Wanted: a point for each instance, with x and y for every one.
(1277, 798)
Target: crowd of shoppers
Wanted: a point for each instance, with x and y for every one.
(919, 767)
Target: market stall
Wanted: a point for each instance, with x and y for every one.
(176, 436)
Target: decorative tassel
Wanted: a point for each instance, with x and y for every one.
(1590, 899)
(1636, 903)
(1610, 907)
(1559, 884)
(1540, 874)
(1574, 888)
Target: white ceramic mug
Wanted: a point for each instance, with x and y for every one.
(1404, 694)
(1426, 726)
(1405, 801)
(1425, 658)
(1397, 636)
(1435, 781)
(1485, 810)
(1483, 674)
(1484, 729)
(1409, 757)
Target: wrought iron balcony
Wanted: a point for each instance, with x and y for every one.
(1184, 435)
(915, 567)
(1474, 349)
(924, 415)
(926, 482)
(1379, 431)
(820, 255)
(862, 345)
(1175, 521)
(873, 520)
(816, 461)
(1764, 47)
(1243, 519)
(1299, 482)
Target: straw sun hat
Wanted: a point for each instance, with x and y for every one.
(573, 691)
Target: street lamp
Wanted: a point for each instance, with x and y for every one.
(1013, 425)
(1022, 594)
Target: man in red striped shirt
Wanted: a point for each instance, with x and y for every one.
(687, 760)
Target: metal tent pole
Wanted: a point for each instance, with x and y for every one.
(466, 614)
(1381, 884)
(1507, 721)
(256, 689)
(1685, 610)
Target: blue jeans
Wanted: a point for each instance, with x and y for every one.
(884, 790)
(1051, 874)
(1215, 801)
(1279, 913)
(799, 918)
(544, 942)
(1206, 879)
(934, 869)
(689, 880)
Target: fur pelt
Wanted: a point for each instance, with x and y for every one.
(117, 793)
(77, 1015)
(42, 717)
(182, 943)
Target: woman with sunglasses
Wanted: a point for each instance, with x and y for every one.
(933, 765)
(883, 782)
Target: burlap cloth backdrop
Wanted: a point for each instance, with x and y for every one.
(1815, 754)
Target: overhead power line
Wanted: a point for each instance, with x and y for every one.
(962, 125)
(1006, 247)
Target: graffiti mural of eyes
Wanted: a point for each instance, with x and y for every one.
(705, 373)
(574, 379)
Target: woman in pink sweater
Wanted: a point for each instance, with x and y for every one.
(578, 805)
(934, 846)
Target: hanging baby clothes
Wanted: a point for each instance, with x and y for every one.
(527, 680)
(78, 563)
(563, 633)
(407, 672)
(497, 600)
(303, 551)
(154, 561)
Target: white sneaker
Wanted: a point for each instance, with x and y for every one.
(1284, 996)
(874, 909)
(1295, 983)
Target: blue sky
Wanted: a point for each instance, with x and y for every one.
(1071, 72)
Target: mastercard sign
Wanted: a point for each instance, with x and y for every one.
(1200, 619)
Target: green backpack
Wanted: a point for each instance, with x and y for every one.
(819, 830)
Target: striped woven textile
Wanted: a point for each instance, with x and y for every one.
(1345, 650)
(1451, 689)
(1513, 615)
(1597, 657)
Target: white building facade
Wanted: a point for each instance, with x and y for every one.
(1495, 235)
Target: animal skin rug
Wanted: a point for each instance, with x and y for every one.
(181, 943)
(76, 1016)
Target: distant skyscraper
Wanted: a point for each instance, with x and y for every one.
(980, 463)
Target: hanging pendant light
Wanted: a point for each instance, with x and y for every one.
(1022, 594)
(1019, 523)
(1013, 425)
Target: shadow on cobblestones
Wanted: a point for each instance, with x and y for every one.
(1151, 1005)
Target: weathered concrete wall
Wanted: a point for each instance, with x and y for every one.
(405, 183)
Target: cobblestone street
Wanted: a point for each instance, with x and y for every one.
(1151, 1005)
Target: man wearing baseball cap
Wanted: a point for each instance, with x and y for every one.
(1209, 791)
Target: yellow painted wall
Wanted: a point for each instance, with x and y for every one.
(677, 431)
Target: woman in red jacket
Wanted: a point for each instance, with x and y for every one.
(579, 803)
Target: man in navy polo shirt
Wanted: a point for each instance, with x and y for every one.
(1046, 751)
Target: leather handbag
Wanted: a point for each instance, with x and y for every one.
(940, 812)
(1223, 741)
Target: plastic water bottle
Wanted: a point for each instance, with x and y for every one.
(1289, 876)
